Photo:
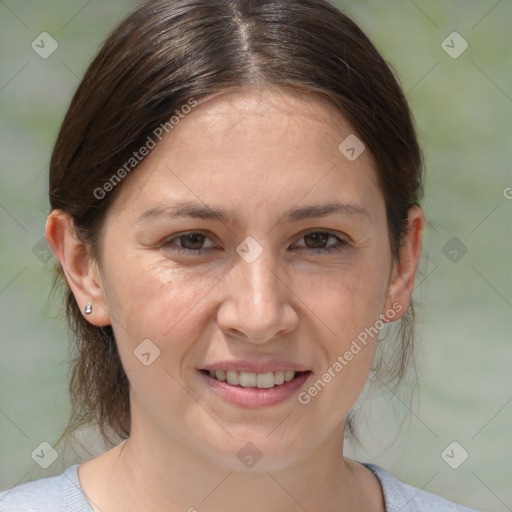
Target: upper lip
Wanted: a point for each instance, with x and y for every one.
(256, 366)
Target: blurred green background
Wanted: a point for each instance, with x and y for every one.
(462, 108)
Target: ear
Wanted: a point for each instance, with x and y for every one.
(81, 271)
(403, 273)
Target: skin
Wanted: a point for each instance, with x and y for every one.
(257, 153)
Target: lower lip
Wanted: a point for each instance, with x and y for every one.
(255, 397)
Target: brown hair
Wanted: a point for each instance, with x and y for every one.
(167, 52)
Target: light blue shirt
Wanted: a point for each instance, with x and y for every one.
(63, 494)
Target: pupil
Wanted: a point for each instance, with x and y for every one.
(318, 238)
(196, 239)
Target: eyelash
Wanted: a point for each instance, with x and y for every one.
(340, 245)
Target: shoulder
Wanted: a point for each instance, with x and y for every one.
(60, 493)
(406, 498)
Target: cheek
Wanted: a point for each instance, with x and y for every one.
(157, 302)
(347, 304)
(350, 311)
(346, 299)
(167, 307)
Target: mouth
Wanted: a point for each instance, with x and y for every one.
(253, 380)
(251, 389)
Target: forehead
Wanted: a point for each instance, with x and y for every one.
(289, 116)
(252, 144)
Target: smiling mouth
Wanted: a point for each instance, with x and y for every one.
(253, 380)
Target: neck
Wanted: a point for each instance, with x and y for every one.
(148, 474)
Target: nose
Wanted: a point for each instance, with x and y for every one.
(258, 303)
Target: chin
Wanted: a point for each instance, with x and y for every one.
(257, 452)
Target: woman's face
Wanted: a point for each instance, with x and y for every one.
(282, 280)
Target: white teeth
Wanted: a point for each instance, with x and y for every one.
(251, 380)
(278, 378)
(265, 380)
(220, 374)
(288, 376)
(232, 377)
(247, 380)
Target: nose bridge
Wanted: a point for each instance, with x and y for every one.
(257, 304)
(260, 287)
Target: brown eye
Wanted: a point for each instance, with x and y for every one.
(317, 242)
(192, 242)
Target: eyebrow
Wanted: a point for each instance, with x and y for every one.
(201, 211)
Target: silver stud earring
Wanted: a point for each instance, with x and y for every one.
(88, 309)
